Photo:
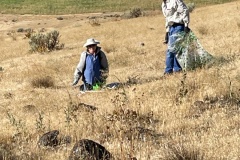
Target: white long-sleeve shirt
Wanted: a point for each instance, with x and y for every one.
(175, 11)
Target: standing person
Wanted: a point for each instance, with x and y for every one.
(177, 20)
(92, 67)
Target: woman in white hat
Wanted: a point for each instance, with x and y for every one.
(92, 67)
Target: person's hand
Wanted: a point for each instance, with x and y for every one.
(166, 38)
(75, 81)
(104, 75)
(186, 30)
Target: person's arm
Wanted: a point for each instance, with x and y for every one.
(164, 9)
(104, 61)
(182, 8)
(79, 70)
(104, 66)
(166, 38)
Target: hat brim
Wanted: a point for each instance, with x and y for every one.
(88, 44)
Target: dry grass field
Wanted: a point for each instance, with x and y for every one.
(193, 115)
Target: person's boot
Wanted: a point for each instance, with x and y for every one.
(88, 87)
(81, 88)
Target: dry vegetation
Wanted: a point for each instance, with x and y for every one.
(193, 115)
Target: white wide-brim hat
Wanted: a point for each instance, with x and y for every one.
(91, 41)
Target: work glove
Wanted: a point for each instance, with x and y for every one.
(75, 81)
(166, 38)
(186, 30)
(104, 75)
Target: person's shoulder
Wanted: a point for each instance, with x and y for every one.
(100, 51)
(99, 48)
(179, 1)
(84, 52)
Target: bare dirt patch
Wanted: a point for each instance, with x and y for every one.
(13, 22)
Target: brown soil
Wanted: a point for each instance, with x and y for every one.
(13, 22)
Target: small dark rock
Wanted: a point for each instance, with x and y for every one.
(199, 103)
(89, 150)
(20, 30)
(28, 30)
(49, 139)
(59, 18)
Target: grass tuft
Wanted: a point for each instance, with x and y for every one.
(181, 152)
(203, 30)
(45, 82)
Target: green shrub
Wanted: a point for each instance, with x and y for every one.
(45, 42)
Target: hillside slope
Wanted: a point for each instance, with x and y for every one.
(196, 111)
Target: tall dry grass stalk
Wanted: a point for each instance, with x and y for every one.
(194, 114)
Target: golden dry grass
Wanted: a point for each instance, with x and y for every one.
(165, 106)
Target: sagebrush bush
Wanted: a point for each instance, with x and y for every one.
(135, 12)
(94, 22)
(45, 82)
(45, 42)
